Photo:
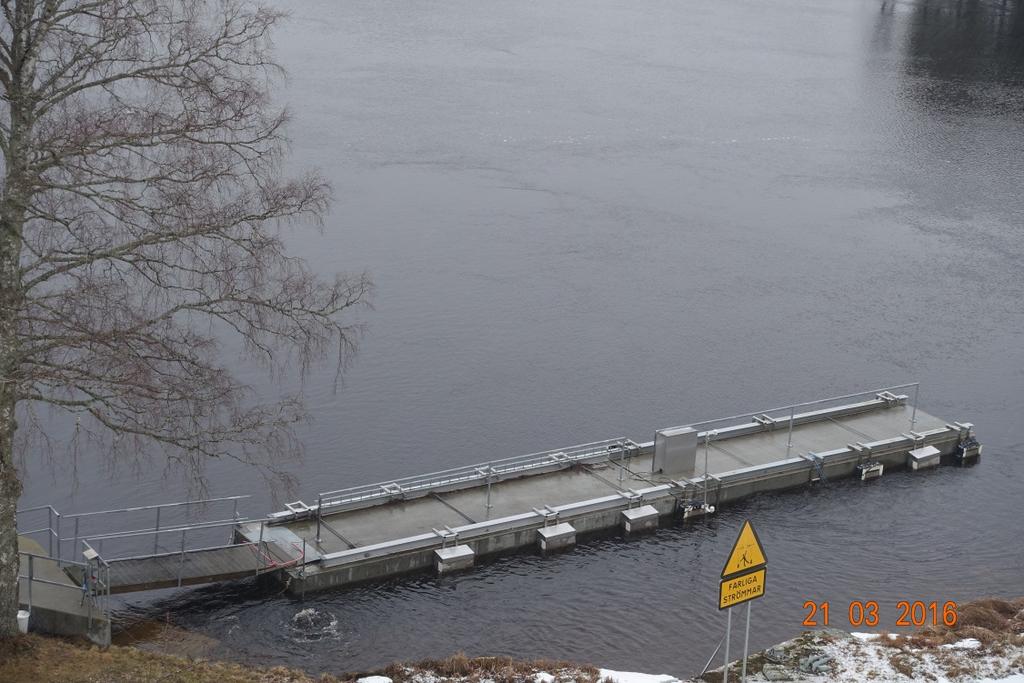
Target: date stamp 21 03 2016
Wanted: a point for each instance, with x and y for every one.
(912, 613)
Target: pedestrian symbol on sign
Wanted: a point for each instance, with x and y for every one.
(747, 553)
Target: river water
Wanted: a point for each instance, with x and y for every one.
(594, 219)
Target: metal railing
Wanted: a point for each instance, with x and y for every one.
(261, 556)
(787, 417)
(786, 414)
(50, 532)
(266, 562)
(466, 532)
(72, 525)
(179, 549)
(496, 470)
(486, 473)
(90, 580)
(138, 543)
(689, 489)
(263, 560)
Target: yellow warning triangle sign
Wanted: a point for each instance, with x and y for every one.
(747, 553)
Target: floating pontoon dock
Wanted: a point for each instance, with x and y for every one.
(445, 520)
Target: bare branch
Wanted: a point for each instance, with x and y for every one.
(144, 199)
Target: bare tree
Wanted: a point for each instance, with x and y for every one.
(140, 219)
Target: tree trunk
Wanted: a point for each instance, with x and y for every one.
(10, 485)
(12, 221)
(10, 490)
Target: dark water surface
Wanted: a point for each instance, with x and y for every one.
(594, 219)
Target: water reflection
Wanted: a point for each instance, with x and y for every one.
(962, 42)
(946, 93)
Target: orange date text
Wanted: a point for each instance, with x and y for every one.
(868, 613)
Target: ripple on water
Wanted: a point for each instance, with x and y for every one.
(312, 625)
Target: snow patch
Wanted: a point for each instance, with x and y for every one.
(965, 644)
(865, 658)
(634, 677)
(864, 636)
(373, 679)
(543, 677)
(868, 637)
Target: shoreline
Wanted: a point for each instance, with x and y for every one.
(986, 644)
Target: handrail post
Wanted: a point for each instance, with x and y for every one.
(622, 462)
(302, 571)
(259, 546)
(106, 597)
(319, 514)
(234, 517)
(913, 414)
(31, 578)
(707, 446)
(181, 563)
(49, 527)
(156, 532)
(60, 554)
(74, 548)
(89, 586)
(488, 515)
(792, 416)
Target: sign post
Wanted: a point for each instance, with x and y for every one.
(746, 640)
(743, 580)
(728, 630)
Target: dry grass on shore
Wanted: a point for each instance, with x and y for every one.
(996, 624)
(39, 659)
(465, 669)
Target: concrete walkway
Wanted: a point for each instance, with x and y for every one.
(57, 609)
